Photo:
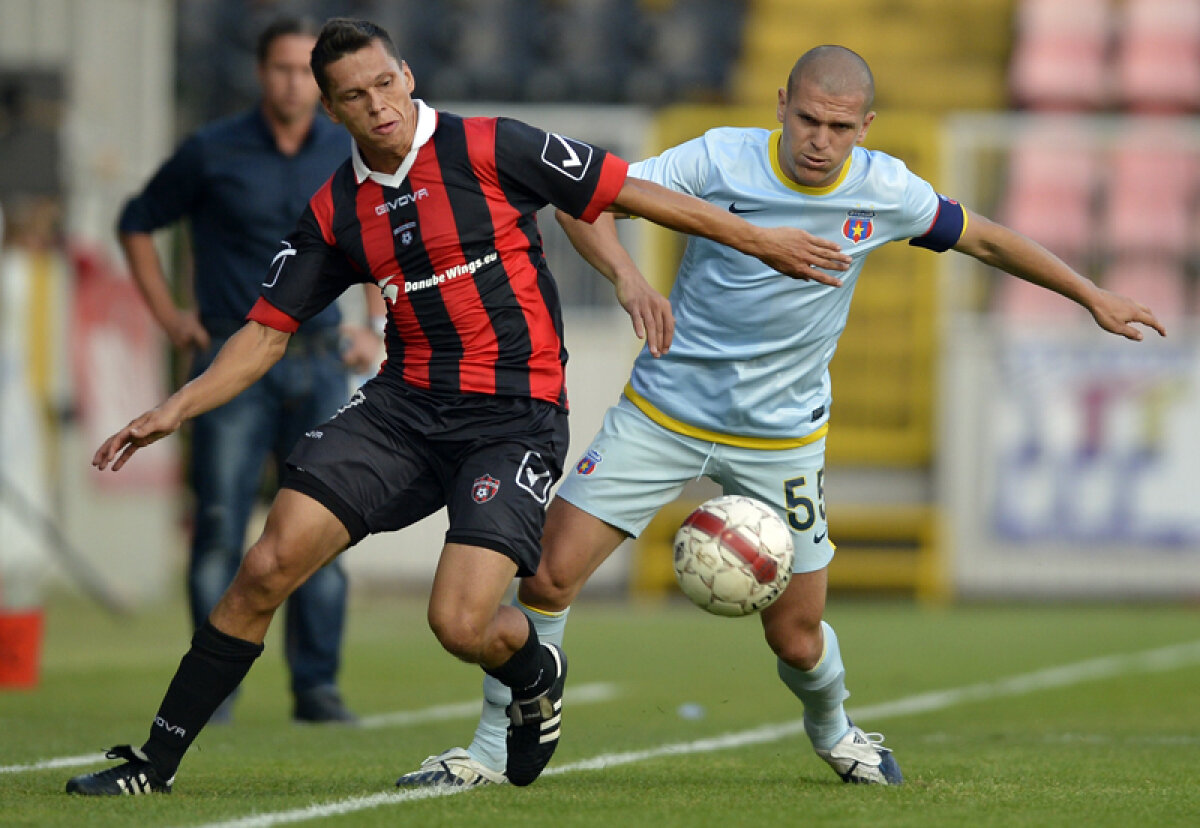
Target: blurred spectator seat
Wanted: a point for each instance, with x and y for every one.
(584, 50)
(1158, 282)
(1060, 56)
(689, 50)
(1158, 56)
(543, 51)
(1151, 190)
(1052, 177)
(486, 48)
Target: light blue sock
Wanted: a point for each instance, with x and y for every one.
(821, 690)
(488, 746)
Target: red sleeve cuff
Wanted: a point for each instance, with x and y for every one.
(267, 314)
(612, 179)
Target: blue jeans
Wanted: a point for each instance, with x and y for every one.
(229, 446)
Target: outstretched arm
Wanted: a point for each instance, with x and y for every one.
(648, 309)
(789, 250)
(242, 360)
(998, 246)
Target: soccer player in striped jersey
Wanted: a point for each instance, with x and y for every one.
(469, 410)
(743, 394)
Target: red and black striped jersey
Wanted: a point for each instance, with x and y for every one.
(452, 240)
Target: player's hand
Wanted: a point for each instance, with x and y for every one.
(801, 255)
(141, 432)
(1117, 314)
(362, 349)
(185, 331)
(649, 311)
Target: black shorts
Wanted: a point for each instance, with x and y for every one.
(395, 454)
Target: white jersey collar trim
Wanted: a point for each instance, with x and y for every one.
(426, 124)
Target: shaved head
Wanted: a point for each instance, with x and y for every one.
(835, 70)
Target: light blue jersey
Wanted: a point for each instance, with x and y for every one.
(749, 364)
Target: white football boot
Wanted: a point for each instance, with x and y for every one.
(453, 769)
(862, 759)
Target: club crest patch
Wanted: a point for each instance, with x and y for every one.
(405, 232)
(484, 488)
(859, 225)
(588, 463)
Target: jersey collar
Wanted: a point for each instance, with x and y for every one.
(426, 124)
(773, 150)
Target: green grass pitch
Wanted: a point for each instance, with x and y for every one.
(1023, 715)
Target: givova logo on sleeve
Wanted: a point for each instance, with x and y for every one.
(570, 157)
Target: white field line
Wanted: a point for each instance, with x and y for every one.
(1150, 661)
(58, 762)
(599, 691)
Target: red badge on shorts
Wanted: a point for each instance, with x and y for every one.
(484, 488)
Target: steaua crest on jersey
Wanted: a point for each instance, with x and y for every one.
(484, 488)
(859, 225)
(589, 462)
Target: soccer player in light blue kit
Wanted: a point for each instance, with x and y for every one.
(742, 396)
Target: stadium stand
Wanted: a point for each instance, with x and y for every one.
(1152, 184)
(485, 49)
(1060, 55)
(928, 55)
(581, 53)
(652, 52)
(1157, 62)
(1051, 187)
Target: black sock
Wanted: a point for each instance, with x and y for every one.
(530, 671)
(211, 670)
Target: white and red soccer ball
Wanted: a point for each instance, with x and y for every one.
(733, 555)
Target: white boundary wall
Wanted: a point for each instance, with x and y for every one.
(1067, 456)
(116, 58)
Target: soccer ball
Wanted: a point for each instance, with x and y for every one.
(733, 555)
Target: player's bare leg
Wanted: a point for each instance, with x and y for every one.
(466, 615)
(792, 624)
(810, 664)
(574, 544)
(465, 611)
(300, 536)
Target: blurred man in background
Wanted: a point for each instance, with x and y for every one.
(242, 182)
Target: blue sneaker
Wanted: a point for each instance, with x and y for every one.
(862, 759)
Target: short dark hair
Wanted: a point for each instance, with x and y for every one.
(282, 27)
(341, 36)
(837, 70)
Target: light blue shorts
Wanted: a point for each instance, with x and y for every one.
(634, 467)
